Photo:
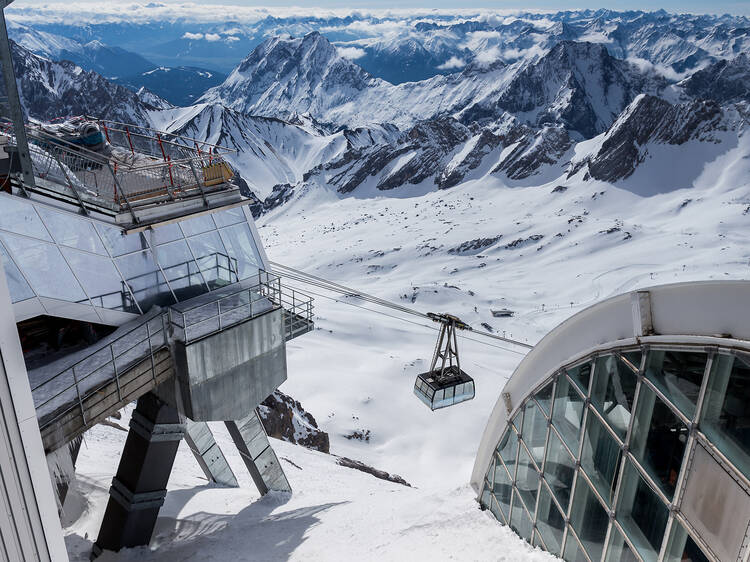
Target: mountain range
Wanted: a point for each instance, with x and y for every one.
(304, 116)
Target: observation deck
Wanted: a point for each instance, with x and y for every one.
(133, 174)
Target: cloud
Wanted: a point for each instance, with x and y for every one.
(351, 53)
(231, 38)
(488, 55)
(666, 71)
(192, 36)
(212, 37)
(451, 63)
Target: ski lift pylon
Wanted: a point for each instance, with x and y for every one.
(445, 384)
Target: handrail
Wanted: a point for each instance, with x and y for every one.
(122, 183)
(109, 361)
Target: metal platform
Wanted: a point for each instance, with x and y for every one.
(80, 390)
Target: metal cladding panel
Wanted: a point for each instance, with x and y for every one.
(228, 374)
(29, 526)
(716, 506)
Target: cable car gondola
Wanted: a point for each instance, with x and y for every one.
(445, 384)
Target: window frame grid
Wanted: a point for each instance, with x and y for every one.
(695, 437)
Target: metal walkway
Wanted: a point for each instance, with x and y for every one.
(80, 390)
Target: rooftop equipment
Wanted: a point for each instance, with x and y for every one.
(445, 384)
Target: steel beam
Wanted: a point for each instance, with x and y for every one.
(206, 450)
(251, 440)
(140, 486)
(14, 104)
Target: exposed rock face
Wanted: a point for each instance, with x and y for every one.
(724, 81)
(285, 418)
(534, 150)
(651, 120)
(61, 89)
(383, 475)
(474, 246)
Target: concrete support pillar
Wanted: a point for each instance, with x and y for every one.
(201, 441)
(250, 438)
(139, 488)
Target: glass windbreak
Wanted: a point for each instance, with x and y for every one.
(642, 514)
(519, 519)
(73, 232)
(44, 267)
(101, 281)
(534, 430)
(527, 478)
(550, 522)
(17, 285)
(217, 267)
(544, 398)
(145, 280)
(581, 374)
(567, 412)
(502, 488)
(20, 217)
(678, 374)
(240, 245)
(589, 519)
(618, 549)
(600, 458)
(181, 270)
(659, 440)
(613, 391)
(559, 469)
(681, 546)
(507, 448)
(726, 411)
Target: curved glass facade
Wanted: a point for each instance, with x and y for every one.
(53, 254)
(615, 458)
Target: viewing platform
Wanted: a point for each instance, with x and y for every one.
(136, 175)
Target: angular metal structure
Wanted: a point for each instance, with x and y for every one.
(212, 461)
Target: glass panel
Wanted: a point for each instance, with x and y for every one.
(45, 268)
(213, 261)
(634, 358)
(527, 479)
(165, 233)
(520, 521)
(681, 546)
(618, 550)
(17, 285)
(678, 375)
(642, 514)
(486, 500)
(100, 280)
(240, 246)
(229, 217)
(726, 411)
(559, 469)
(659, 440)
(573, 551)
(502, 488)
(581, 374)
(534, 431)
(495, 509)
(71, 231)
(197, 225)
(613, 392)
(544, 397)
(507, 449)
(145, 280)
(181, 270)
(20, 217)
(118, 243)
(550, 522)
(567, 413)
(600, 458)
(589, 519)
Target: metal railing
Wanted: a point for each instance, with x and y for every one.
(65, 391)
(138, 167)
(86, 385)
(219, 310)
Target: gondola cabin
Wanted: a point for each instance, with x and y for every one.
(436, 391)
